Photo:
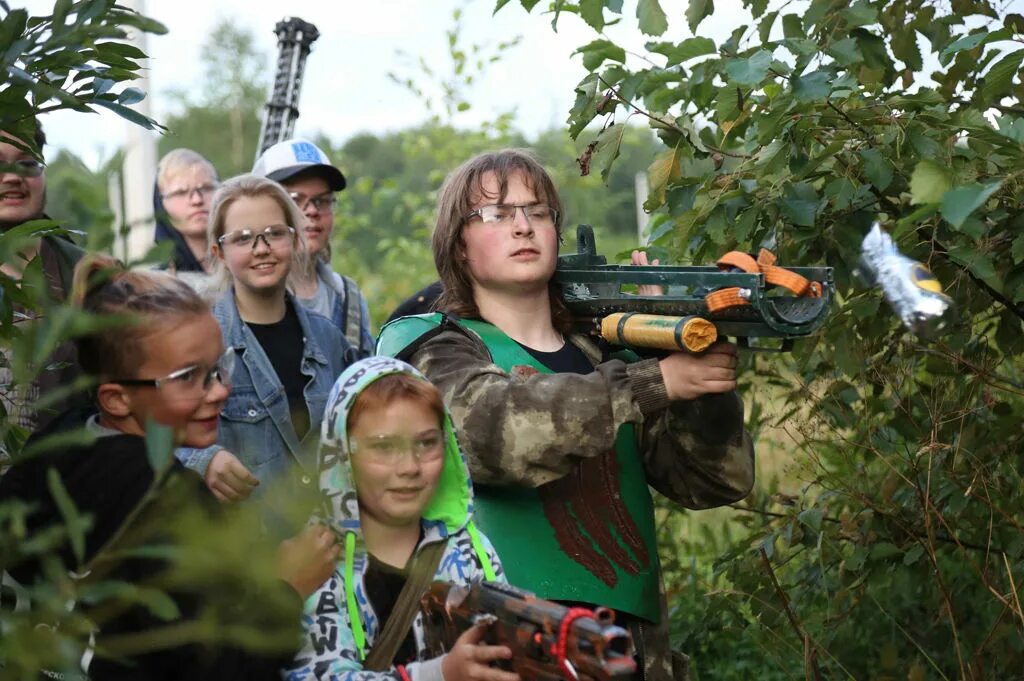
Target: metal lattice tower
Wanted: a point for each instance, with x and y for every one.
(294, 39)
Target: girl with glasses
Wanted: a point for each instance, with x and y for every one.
(167, 366)
(286, 356)
(397, 491)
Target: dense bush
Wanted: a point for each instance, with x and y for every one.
(897, 551)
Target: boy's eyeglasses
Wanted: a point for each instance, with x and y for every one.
(204, 190)
(27, 167)
(246, 238)
(387, 450)
(501, 214)
(320, 203)
(192, 382)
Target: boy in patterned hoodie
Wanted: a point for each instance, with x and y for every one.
(398, 495)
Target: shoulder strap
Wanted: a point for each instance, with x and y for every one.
(421, 575)
(353, 313)
(402, 337)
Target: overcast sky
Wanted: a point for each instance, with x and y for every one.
(346, 90)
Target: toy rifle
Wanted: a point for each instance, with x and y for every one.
(743, 297)
(549, 641)
(294, 39)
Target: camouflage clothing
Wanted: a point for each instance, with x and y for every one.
(527, 428)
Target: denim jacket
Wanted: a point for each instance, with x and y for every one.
(256, 425)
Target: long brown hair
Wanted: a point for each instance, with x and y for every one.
(103, 286)
(464, 187)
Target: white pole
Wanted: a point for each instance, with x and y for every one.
(139, 169)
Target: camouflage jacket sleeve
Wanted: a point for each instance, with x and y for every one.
(697, 452)
(528, 428)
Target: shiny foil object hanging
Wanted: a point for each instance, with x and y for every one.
(911, 289)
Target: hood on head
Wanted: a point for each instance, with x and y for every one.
(451, 507)
(183, 259)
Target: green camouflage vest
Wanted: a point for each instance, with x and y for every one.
(587, 537)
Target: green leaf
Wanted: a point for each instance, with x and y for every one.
(664, 168)
(813, 86)
(595, 53)
(1017, 249)
(131, 95)
(792, 27)
(592, 12)
(929, 183)
(609, 144)
(1010, 127)
(127, 114)
(958, 203)
(764, 29)
(877, 168)
(846, 52)
(979, 264)
(884, 550)
(585, 108)
(60, 15)
(697, 11)
(651, 17)
(126, 50)
(913, 554)
(967, 42)
(749, 71)
(860, 14)
(688, 49)
(800, 204)
(757, 7)
(904, 47)
(811, 517)
(159, 446)
(998, 80)
(74, 523)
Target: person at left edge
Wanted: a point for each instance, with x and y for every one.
(310, 179)
(288, 357)
(23, 199)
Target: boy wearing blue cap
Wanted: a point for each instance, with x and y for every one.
(308, 176)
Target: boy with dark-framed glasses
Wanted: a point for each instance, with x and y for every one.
(308, 176)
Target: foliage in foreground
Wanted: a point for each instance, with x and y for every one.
(901, 555)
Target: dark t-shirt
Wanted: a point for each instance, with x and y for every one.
(383, 583)
(568, 359)
(283, 343)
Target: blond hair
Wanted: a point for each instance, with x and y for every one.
(461, 190)
(251, 186)
(177, 160)
(103, 286)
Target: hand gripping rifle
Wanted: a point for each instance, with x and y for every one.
(294, 39)
(549, 642)
(743, 297)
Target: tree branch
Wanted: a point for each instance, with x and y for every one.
(997, 296)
